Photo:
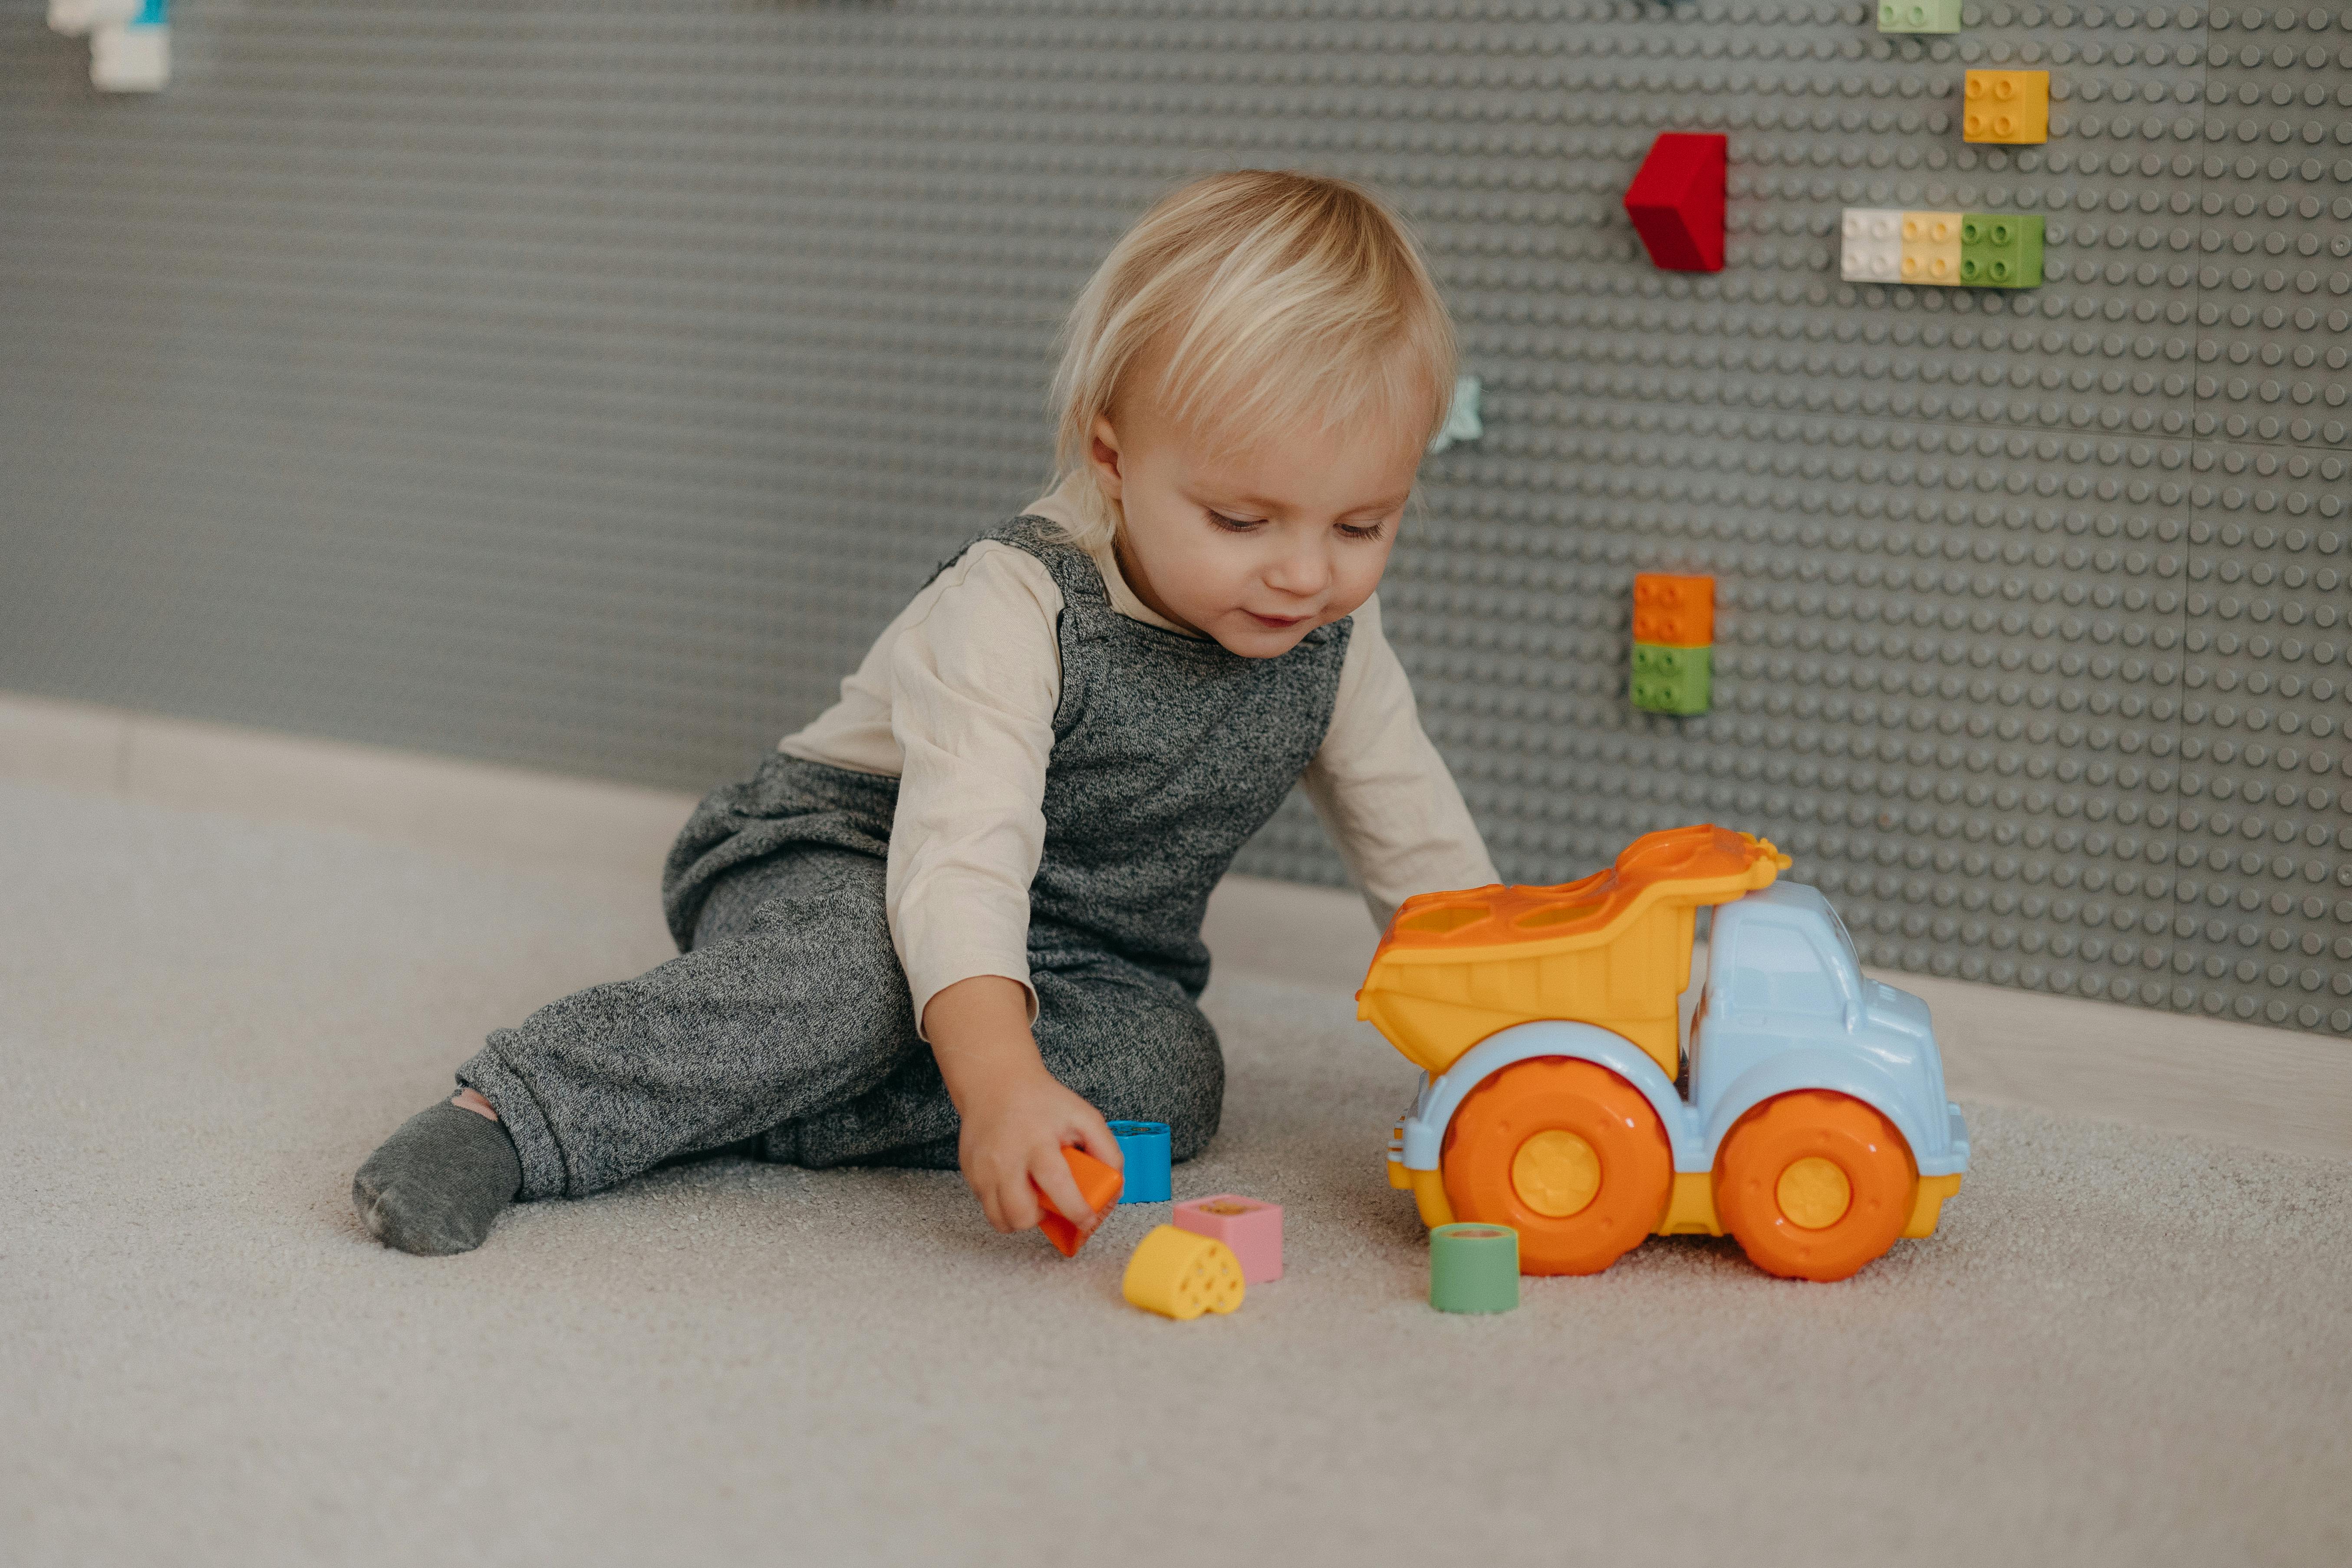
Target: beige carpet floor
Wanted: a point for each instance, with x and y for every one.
(2125, 1346)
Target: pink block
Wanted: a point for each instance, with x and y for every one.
(1252, 1229)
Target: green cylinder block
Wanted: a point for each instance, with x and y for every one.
(1474, 1268)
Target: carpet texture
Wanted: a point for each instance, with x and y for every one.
(2125, 1346)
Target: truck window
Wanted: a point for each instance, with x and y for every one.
(1844, 940)
(1780, 973)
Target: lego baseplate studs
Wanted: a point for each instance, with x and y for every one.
(2007, 107)
(1920, 15)
(1963, 537)
(1676, 200)
(1941, 249)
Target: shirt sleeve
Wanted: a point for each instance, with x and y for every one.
(1382, 791)
(973, 686)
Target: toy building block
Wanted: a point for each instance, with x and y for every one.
(1145, 1144)
(1180, 1275)
(76, 18)
(1474, 1268)
(2001, 250)
(1252, 1229)
(1098, 1183)
(2009, 107)
(133, 57)
(1668, 679)
(1677, 611)
(1676, 200)
(1931, 248)
(1920, 15)
(1873, 250)
(1462, 422)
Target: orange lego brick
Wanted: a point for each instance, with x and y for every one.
(1098, 1183)
(1673, 611)
(2009, 107)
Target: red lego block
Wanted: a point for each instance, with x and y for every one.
(1677, 612)
(1676, 200)
(1098, 1183)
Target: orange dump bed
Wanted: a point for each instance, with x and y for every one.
(1613, 949)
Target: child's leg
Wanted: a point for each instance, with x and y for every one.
(792, 999)
(1130, 1042)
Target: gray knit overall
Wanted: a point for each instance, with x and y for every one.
(787, 1017)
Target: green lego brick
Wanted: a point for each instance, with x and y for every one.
(1920, 17)
(2001, 250)
(1673, 679)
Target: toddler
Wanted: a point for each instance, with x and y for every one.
(956, 922)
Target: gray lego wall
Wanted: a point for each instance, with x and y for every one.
(582, 385)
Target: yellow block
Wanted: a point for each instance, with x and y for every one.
(1180, 1275)
(1929, 1206)
(1429, 1198)
(1690, 1211)
(1931, 248)
(2007, 107)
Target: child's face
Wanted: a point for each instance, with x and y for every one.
(1256, 548)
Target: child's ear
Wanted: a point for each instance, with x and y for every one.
(1102, 452)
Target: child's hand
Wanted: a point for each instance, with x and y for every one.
(1013, 1134)
(1017, 1116)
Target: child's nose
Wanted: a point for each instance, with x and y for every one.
(1300, 572)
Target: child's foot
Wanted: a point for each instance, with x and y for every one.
(437, 1185)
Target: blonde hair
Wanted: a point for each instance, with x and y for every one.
(1275, 297)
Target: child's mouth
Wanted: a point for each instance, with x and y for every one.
(1274, 623)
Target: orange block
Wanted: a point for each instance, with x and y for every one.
(1678, 612)
(2010, 106)
(1098, 1183)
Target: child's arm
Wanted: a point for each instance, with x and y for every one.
(1382, 791)
(974, 681)
(1016, 1116)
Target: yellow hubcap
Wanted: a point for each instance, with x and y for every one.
(1556, 1172)
(1814, 1192)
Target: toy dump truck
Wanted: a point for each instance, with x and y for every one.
(1806, 1117)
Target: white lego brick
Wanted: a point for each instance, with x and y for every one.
(130, 59)
(75, 17)
(1872, 251)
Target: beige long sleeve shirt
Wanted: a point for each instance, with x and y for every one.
(955, 700)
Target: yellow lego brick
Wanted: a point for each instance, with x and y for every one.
(2007, 107)
(1931, 248)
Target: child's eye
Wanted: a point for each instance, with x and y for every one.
(1363, 530)
(1235, 524)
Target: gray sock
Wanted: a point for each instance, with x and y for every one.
(437, 1185)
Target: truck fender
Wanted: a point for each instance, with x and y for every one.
(1840, 1072)
(1441, 1097)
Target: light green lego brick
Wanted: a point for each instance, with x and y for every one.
(1920, 17)
(2001, 250)
(1673, 679)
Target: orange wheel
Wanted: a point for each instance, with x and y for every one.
(1814, 1184)
(1568, 1154)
